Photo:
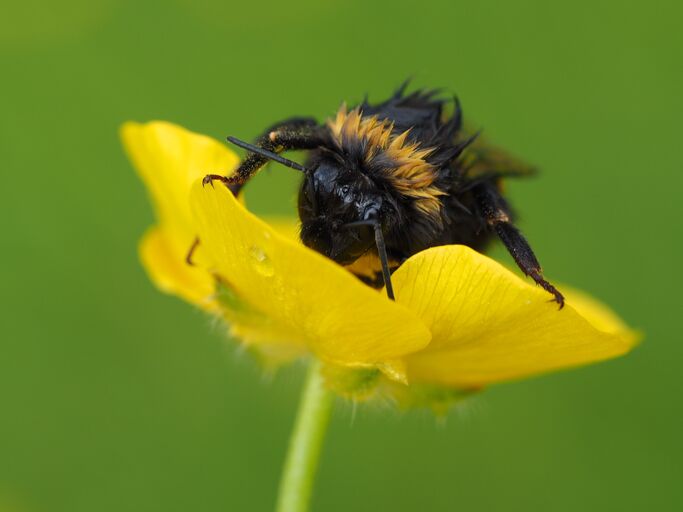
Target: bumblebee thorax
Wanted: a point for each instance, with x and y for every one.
(389, 157)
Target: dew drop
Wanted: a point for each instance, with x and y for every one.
(260, 261)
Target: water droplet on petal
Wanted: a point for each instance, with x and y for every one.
(260, 261)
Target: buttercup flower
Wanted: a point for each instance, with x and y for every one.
(461, 321)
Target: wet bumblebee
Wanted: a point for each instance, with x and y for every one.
(385, 181)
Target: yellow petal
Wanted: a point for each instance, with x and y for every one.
(599, 315)
(488, 325)
(169, 159)
(341, 320)
(165, 263)
(273, 342)
(367, 265)
(285, 225)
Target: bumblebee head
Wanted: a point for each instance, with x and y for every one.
(342, 211)
(337, 207)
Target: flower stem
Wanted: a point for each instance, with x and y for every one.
(305, 444)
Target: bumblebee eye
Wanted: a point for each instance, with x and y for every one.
(309, 192)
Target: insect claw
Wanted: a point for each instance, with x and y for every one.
(557, 296)
(209, 179)
(559, 299)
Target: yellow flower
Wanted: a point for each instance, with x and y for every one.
(460, 321)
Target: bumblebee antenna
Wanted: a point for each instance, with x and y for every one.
(381, 251)
(267, 154)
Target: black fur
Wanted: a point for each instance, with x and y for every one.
(407, 229)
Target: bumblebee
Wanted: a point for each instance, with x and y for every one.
(384, 181)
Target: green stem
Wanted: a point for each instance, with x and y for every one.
(305, 444)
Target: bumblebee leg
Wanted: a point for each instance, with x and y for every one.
(292, 134)
(191, 250)
(497, 214)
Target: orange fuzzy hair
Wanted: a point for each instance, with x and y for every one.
(411, 175)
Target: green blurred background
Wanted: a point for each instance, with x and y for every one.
(115, 397)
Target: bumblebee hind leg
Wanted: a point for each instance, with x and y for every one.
(497, 215)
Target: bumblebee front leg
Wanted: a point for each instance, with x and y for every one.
(497, 214)
(292, 134)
